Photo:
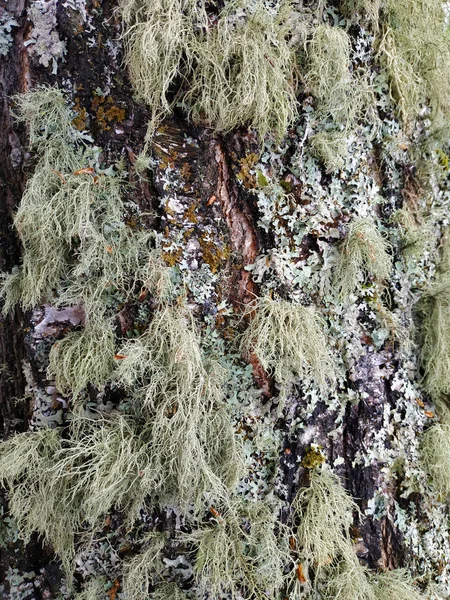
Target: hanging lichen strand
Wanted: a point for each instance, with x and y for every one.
(162, 478)
(239, 72)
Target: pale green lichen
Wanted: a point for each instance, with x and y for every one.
(341, 95)
(37, 501)
(290, 342)
(244, 73)
(435, 448)
(79, 209)
(239, 72)
(83, 357)
(196, 450)
(326, 512)
(241, 550)
(435, 330)
(414, 50)
(145, 569)
(364, 253)
(55, 486)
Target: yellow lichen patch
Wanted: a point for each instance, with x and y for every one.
(80, 120)
(313, 457)
(247, 173)
(190, 214)
(213, 255)
(106, 112)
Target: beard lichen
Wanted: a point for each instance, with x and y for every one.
(290, 342)
(195, 450)
(240, 549)
(363, 253)
(238, 71)
(325, 512)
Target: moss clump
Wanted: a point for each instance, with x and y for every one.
(313, 458)
(239, 71)
(364, 252)
(290, 343)
(195, 451)
(414, 41)
(241, 550)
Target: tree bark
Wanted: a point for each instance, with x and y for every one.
(217, 219)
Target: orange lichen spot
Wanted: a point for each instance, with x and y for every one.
(173, 257)
(429, 414)
(300, 574)
(106, 112)
(211, 200)
(113, 591)
(120, 356)
(85, 171)
(214, 512)
(59, 175)
(190, 214)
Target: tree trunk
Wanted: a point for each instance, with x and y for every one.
(205, 196)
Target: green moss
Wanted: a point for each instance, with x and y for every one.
(158, 38)
(364, 252)
(313, 457)
(168, 591)
(290, 343)
(325, 512)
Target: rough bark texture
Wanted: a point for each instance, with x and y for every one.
(215, 223)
